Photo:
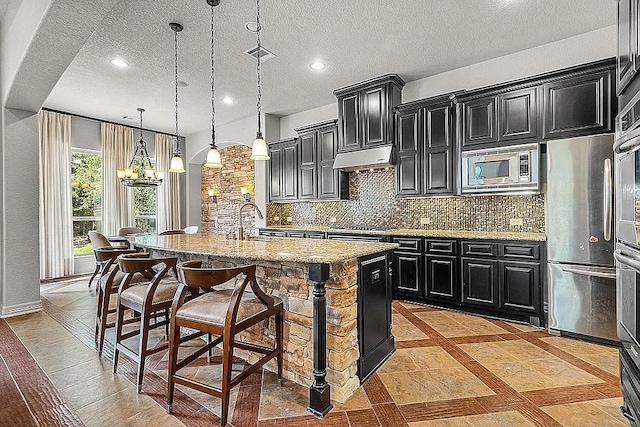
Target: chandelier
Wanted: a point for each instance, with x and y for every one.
(142, 173)
(213, 156)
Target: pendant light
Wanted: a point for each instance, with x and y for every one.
(177, 165)
(213, 156)
(143, 174)
(259, 149)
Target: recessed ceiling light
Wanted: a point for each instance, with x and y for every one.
(181, 83)
(227, 100)
(119, 63)
(252, 26)
(318, 65)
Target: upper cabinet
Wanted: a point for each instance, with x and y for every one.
(578, 105)
(562, 104)
(283, 170)
(365, 112)
(317, 178)
(425, 147)
(628, 46)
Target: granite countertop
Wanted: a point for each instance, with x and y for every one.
(418, 232)
(277, 249)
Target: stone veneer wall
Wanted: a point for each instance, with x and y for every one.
(290, 282)
(237, 171)
(373, 203)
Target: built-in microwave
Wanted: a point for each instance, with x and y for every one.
(502, 169)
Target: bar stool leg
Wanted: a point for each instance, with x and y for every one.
(227, 365)
(119, 321)
(174, 342)
(145, 324)
(104, 313)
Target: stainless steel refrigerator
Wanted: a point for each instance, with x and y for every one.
(580, 237)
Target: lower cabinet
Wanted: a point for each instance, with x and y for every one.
(441, 277)
(408, 274)
(479, 282)
(519, 283)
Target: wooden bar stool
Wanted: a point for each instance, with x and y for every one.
(152, 300)
(99, 240)
(109, 283)
(223, 313)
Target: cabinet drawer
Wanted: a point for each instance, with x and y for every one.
(314, 235)
(298, 234)
(441, 247)
(409, 243)
(479, 249)
(523, 251)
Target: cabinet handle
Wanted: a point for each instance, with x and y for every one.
(608, 199)
(627, 414)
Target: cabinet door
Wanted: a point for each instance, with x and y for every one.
(480, 282)
(349, 107)
(275, 172)
(290, 171)
(408, 165)
(520, 285)
(374, 116)
(441, 277)
(328, 178)
(308, 185)
(480, 121)
(578, 106)
(438, 151)
(408, 274)
(518, 115)
(627, 43)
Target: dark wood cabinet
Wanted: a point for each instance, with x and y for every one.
(426, 149)
(365, 112)
(375, 339)
(579, 105)
(518, 115)
(479, 282)
(628, 46)
(408, 274)
(519, 285)
(480, 121)
(441, 277)
(283, 170)
(318, 148)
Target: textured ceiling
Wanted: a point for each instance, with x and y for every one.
(358, 39)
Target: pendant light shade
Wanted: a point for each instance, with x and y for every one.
(177, 165)
(259, 149)
(213, 156)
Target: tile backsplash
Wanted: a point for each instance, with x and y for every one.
(373, 203)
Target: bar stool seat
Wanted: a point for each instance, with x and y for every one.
(165, 292)
(211, 308)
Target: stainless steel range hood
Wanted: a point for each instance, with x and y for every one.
(372, 158)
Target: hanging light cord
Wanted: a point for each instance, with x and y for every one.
(213, 90)
(258, 28)
(175, 43)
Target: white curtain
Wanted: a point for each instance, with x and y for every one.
(168, 211)
(117, 200)
(56, 224)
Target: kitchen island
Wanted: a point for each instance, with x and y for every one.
(337, 301)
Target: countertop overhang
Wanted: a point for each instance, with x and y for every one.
(276, 249)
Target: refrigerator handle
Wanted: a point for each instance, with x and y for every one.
(600, 274)
(608, 199)
(628, 259)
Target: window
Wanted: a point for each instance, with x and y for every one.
(86, 197)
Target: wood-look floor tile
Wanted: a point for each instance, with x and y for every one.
(561, 395)
(389, 415)
(333, 419)
(608, 389)
(376, 391)
(581, 414)
(14, 409)
(245, 413)
(363, 418)
(441, 409)
(415, 343)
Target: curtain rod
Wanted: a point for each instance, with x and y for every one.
(106, 121)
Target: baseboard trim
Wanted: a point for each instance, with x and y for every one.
(20, 309)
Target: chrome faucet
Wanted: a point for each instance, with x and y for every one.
(240, 229)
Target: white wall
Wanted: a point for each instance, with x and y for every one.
(587, 47)
(316, 115)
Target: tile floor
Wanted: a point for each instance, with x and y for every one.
(450, 369)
